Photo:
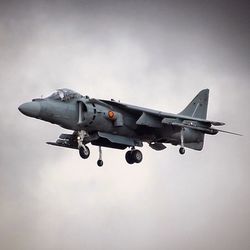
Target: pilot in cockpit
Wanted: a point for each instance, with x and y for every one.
(64, 95)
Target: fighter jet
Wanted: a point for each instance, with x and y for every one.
(108, 123)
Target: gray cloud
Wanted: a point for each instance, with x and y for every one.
(157, 54)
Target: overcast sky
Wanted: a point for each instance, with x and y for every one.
(157, 54)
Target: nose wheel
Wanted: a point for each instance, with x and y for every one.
(133, 156)
(84, 152)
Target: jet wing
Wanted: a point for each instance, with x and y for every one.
(157, 115)
(156, 119)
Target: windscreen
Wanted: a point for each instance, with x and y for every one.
(64, 95)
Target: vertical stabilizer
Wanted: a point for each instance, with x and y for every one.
(198, 106)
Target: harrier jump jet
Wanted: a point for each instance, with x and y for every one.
(118, 125)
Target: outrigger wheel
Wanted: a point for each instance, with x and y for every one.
(100, 163)
(182, 150)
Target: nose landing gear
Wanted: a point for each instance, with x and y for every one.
(83, 149)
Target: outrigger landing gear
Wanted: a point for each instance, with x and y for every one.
(182, 149)
(84, 151)
(100, 161)
(133, 156)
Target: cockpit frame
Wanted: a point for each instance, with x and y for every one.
(64, 95)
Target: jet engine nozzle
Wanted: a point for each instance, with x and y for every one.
(31, 109)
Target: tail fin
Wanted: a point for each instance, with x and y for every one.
(198, 106)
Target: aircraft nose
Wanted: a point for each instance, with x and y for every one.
(30, 109)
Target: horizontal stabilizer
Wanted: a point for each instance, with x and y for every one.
(205, 130)
(228, 132)
(170, 117)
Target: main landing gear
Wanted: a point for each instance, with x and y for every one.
(133, 156)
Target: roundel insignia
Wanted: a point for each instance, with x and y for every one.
(111, 114)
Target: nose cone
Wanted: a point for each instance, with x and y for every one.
(30, 109)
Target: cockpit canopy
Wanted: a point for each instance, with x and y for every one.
(64, 95)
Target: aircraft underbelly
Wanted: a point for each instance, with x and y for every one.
(169, 134)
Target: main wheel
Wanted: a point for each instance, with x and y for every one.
(182, 150)
(129, 157)
(137, 156)
(84, 152)
(100, 163)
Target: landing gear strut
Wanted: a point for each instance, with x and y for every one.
(133, 156)
(182, 149)
(83, 149)
(100, 161)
